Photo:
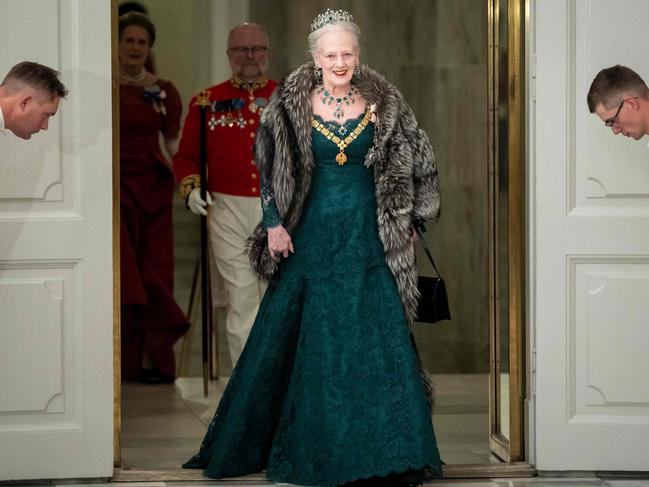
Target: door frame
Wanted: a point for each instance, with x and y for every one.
(511, 447)
(117, 360)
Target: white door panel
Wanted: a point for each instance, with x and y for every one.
(591, 244)
(56, 252)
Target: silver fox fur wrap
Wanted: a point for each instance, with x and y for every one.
(405, 173)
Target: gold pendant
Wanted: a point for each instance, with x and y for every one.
(341, 158)
(253, 107)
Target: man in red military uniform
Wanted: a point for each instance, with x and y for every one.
(233, 206)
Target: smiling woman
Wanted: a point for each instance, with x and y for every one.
(329, 389)
(151, 320)
(134, 48)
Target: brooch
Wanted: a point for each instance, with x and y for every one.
(154, 95)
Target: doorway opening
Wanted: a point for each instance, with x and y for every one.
(460, 66)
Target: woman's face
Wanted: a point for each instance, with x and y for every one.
(133, 47)
(337, 55)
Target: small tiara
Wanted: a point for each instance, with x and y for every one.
(331, 17)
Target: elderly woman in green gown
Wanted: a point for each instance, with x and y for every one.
(328, 390)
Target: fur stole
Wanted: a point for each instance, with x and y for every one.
(405, 173)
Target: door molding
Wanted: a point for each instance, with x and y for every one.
(117, 361)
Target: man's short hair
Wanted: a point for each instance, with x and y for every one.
(37, 76)
(614, 83)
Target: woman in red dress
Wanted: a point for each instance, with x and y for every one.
(151, 318)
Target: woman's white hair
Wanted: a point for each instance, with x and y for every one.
(350, 27)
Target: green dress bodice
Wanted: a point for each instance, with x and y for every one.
(338, 227)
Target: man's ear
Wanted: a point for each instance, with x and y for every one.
(633, 102)
(24, 101)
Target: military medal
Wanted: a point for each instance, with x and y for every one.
(257, 104)
(227, 105)
(227, 118)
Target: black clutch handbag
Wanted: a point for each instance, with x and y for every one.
(433, 301)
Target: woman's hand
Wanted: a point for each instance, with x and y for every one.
(279, 242)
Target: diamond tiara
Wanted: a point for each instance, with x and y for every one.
(331, 17)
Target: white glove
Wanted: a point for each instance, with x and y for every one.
(196, 204)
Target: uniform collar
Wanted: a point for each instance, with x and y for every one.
(244, 85)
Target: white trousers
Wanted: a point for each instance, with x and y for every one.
(231, 220)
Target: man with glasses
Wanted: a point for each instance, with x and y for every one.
(620, 98)
(233, 206)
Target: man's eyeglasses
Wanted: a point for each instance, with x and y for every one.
(242, 51)
(611, 121)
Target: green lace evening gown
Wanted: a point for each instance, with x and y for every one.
(327, 389)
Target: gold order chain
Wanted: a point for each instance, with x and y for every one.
(341, 157)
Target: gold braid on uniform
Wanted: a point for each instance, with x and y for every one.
(187, 184)
(239, 83)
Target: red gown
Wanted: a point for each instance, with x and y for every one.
(151, 319)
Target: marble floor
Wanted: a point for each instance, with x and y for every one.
(531, 482)
(163, 425)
